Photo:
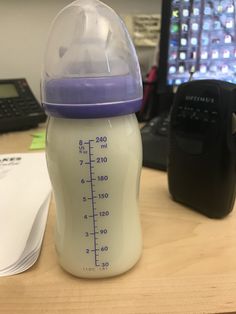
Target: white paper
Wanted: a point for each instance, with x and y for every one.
(25, 191)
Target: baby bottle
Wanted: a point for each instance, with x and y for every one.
(91, 88)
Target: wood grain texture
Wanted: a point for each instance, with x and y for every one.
(188, 263)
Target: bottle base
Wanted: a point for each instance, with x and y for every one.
(98, 273)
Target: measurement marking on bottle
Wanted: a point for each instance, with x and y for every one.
(96, 161)
(90, 147)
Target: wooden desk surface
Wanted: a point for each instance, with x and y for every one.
(188, 263)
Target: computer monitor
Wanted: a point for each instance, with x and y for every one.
(198, 39)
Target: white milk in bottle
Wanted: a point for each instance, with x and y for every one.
(91, 87)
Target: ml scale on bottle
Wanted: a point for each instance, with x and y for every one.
(89, 160)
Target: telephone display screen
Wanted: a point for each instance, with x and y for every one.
(8, 91)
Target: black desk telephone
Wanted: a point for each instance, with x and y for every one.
(19, 109)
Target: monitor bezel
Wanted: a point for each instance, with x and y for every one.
(162, 86)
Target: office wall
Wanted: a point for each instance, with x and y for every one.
(24, 26)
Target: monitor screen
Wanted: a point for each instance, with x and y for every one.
(198, 39)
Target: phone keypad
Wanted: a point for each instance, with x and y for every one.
(18, 107)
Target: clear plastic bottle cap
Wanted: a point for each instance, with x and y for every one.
(90, 68)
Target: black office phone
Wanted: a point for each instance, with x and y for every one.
(202, 147)
(19, 109)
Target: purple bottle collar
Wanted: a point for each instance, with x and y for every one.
(92, 97)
